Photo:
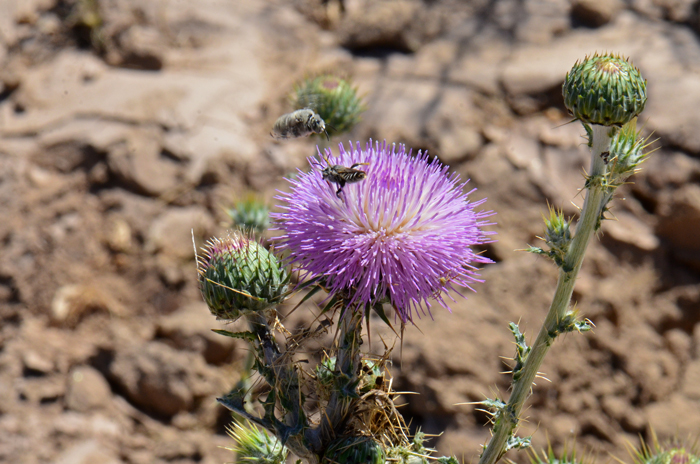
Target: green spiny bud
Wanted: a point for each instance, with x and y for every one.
(255, 446)
(626, 152)
(250, 213)
(674, 456)
(557, 231)
(674, 452)
(567, 456)
(354, 450)
(604, 89)
(238, 276)
(557, 237)
(371, 376)
(333, 98)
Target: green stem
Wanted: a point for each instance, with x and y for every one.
(346, 372)
(507, 421)
(285, 383)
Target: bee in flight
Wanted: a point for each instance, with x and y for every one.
(342, 175)
(299, 123)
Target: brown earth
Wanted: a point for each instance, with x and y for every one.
(125, 124)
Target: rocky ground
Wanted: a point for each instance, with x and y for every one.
(125, 124)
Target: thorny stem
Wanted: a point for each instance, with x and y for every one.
(592, 206)
(346, 372)
(284, 383)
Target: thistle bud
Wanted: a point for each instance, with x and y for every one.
(354, 450)
(676, 455)
(567, 456)
(626, 152)
(255, 446)
(250, 213)
(238, 276)
(674, 452)
(333, 98)
(604, 89)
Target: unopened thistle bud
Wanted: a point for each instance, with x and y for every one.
(255, 446)
(567, 456)
(354, 450)
(250, 213)
(674, 452)
(604, 89)
(333, 98)
(238, 276)
(626, 152)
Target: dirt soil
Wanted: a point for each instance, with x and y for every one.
(125, 125)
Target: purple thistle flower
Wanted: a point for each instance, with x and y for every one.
(403, 234)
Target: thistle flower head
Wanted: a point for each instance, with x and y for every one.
(333, 98)
(401, 235)
(354, 450)
(255, 446)
(604, 89)
(237, 275)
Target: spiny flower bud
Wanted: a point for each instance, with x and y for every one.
(626, 152)
(354, 450)
(674, 452)
(371, 376)
(674, 456)
(238, 276)
(333, 98)
(255, 446)
(604, 89)
(250, 213)
(566, 457)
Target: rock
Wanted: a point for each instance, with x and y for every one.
(87, 452)
(87, 390)
(190, 328)
(399, 24)
(679, 218)
(46, 389)
(80, 86)
(625, 228)
(171, 233)
(674, 85)
(71, 303)
(595, 13)
(691, 380)
(454, 125)
(33, 361)
(138, 163)
(161, 380)
(542, 21)
(481, 68)
(140, 47)
(106, 424)
(429, 62)
(401, 111)
(676, 416)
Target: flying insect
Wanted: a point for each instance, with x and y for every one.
(299, 123)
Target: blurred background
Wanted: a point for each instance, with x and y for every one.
(125, 125)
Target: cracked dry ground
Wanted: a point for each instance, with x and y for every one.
(115, 145)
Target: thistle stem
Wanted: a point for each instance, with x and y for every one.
(282, 377)
(346, 372)
(508, 419)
